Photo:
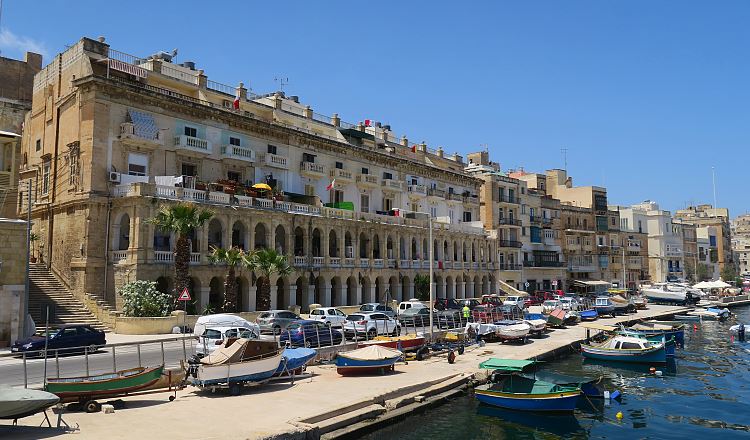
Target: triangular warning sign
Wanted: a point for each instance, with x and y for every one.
(184, 296)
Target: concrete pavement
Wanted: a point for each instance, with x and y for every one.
(279, 410)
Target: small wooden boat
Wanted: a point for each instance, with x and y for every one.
(367, 360)
(512, 330)
(589, 387)
(536, 321)
(401, 343)
(294, 360)
(86, 388)
(16, 403)
(626, 349)
(556, 318)
(522, 393)
(245, 361)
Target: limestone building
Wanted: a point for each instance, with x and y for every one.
(706, 215)
(112, 137)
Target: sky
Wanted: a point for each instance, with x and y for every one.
(647, 97)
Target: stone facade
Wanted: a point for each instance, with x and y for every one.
(12, 278)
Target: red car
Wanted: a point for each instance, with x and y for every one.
(533, 301)
(485, 314)
(493, 300)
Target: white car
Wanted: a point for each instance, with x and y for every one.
(369, 325)
(406, 305)
(331, 316)
(515, 301)
(222, 320)
(568, 303)
(214, 337)
(550, 305)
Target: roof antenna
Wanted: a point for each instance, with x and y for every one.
(283, 81)
(564, 151)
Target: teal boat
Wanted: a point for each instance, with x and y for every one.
(626, 349)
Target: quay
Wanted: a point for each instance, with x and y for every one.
(324, 405)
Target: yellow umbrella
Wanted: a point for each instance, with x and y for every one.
(262, 186)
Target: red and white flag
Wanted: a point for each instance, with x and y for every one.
(414, 148)
(367, 122)
(330, 185)
(236, 103)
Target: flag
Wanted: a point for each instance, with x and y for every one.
(414, 148)
(367, 122)
(236, 103)
(330, 185)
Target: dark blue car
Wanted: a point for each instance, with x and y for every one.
(308, 333)
(66, 339)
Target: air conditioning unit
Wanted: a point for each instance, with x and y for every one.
(350, 252)
(226, 103)
(114, 177)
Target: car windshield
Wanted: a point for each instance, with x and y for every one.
(550, 303)
(367, 307)
(355, 317)
(318, 312)
(212, 334)
(265, 315)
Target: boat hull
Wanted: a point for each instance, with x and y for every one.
(657, 354)
(347, 366)
(105, 385)
(665, 295)
(588, 315)
(397, 343)
(248, 371)
(18, 403)
(551, 402)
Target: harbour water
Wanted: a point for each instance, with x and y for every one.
(705, 392)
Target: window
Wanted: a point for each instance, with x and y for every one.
(338, 196)
(339, 165)
(523, 231)
(189, 169)
(307, 157)
(271, 149)
(414, 181)
(365, 171)
(45, 177)
(38, 145)
(387, 204)
(451, 215)
(467, 216)
(433, 211)
(74, 154)
(364, 202)
(414, 207)
(234, 176)
(309, 190)
(387, 176)
(234, 141)
(191, 131)
(137, 164)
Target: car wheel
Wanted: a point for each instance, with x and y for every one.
(92, 406)
(92, 348)
(372, 333)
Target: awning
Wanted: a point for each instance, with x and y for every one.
(592, 283)
(144, 125)
(9, 134)
(506, 364)
(597, 326)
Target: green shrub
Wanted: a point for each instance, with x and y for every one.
(142, 299)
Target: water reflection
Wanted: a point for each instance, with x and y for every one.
(516, 423)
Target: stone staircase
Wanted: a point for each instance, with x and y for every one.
(65, 308)
(507, 289)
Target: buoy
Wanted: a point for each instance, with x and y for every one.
(695, 327)
(606, 394)
(658, 373)
(652, 370)
(731, 338)
(619, 415)
(616, 394)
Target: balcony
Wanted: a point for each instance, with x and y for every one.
(416, 264)
(318, 261)
(129, 134)
(312, 169)
(192, 144)
(348, 262)
(455, 197)
(167, 257)
(582, 268)
(377, 263)
(276, 161)
(506, 221)
(417, 190)
(436, 193)
(299, 261)
(364, 263)
(510, 243)
(393, 185)
(537, 263)
(236, 152)
(471, 200)
(509, 266)
(403, 264)
(334, 261)
(506, 199)
(118, 256)
(343, 176)
(368, 180)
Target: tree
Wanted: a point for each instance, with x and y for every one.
(231, 258)
(702, 272)
(422, 286)
(267, 262)
(729, 273)
(182, 219)
(143, 299)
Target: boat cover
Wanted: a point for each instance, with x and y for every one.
(372, 353)
(558, 313)
(242, 349)
(597, 326)
(560, 379)
(480, 329)
(619, 299)
(660, 327)
(16, 402)
(506, 364)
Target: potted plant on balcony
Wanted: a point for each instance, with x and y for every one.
(32, 239)
(200, 186)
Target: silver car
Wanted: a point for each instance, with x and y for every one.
(274, 321)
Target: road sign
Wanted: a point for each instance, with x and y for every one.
(526, 284)
(184, 296)
(554, 283)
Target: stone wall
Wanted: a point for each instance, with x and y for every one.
(17, 77)
(12, 278)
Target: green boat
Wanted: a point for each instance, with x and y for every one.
(86, 388)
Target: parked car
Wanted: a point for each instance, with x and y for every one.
(274, 321)
(472, 303)
(329, 316)
(550, 305)
(417, 317)
(406, 305)
(447, 303)
(485, 313)
(377, 307)
(493, 300)
(310, 333)
(214, 337)
(451, 318)
(222, 320)
(68, 338)
(370, 324)
(515, 300)
(532, 300)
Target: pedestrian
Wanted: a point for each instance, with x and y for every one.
(741, 333)
(466, 312)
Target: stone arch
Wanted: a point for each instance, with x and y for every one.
(243, 293)
(406, 290)
(216, 294)
(348, 245)
(351, 291)
(299, 242)
(163, 240)
(238, 235)
(376, 254)
(317, 245)
(215, 233)
(319, 291)
(446, 255)
(380, 288)
(337, 293)
(455, 251)
(123, 236)
(165, 284)
(389, 247)
(260, 236)
(450, 288)
(279, 239)
(366, 286)
(198, 303)
(333, 244)
(396, 288)
(439, 287)
(364, 248)
(425, 250)
(485, 286)
(476, 288)
(473, 252)
(402, 248)
(465, 255)
(301, 295)
(435, 250)
(414, 250)
(282, 287)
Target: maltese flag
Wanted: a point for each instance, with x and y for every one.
(330, 185)
(236, 103)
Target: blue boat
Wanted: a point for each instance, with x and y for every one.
(588, 315)
(373, 358)
(526, 394)
(293, 360)
(626, 349)
(604, 306)
(669, 330)
(670, 344)
(589, 387)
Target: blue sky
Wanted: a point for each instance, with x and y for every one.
(646, 96)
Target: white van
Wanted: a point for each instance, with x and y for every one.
(405, 305)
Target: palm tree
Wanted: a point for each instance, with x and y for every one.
(268, 262)
(232, 257)
(181, 218)
(422, 284)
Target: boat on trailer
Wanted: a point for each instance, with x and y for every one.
(367, 360)
(16, 403)
(401, 343)
(119, 383)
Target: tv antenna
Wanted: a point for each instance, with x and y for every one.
(564, 151)
(283, 81)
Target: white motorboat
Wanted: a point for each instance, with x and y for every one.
(669, 292)
(711, 314)
(509, 329)
(16, 403)
(244, 361)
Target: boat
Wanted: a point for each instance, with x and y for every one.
(604, 306)
(511, 330)
(536, 321)
(622, 304)
(367, 360)
(671, 293)
(670, 344)
(710, 314)
(572, 317)
(556, 317)
(244, 361)
(294, 361)
(590, 387)
(16, 403)
(119, 383)
(640, 302)
(735, 329)
(401, 343)
(626, 349)
(672, 330)
(588, 314)
(517, 392)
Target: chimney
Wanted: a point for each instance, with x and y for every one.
(439, 151)
(308, 112)
(335, 120)
(404, 141)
